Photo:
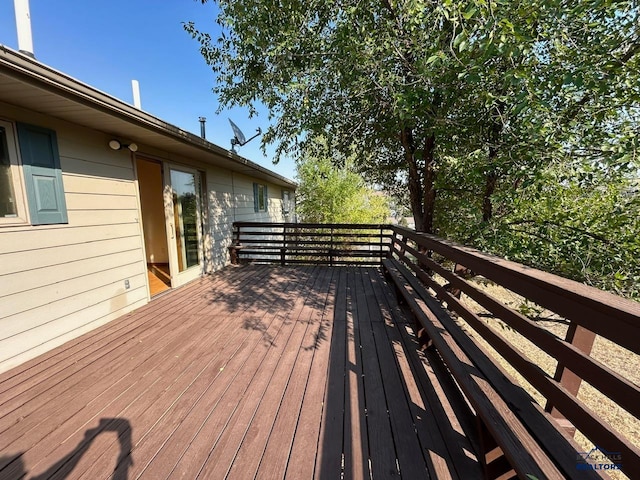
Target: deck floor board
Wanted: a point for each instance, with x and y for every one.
(27, 384)
(253, 372)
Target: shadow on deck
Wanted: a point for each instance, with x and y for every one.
(254, 372)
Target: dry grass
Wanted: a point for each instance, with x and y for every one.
(619, 359)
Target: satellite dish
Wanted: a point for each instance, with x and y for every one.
(239, 138)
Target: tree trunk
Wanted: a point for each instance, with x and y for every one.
(491, 179)
(429, 192)
(415, 184)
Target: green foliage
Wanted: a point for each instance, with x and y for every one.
(508, 125)
(330, 194)
(529, 309)
(584, 231)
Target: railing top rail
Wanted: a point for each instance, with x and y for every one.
(569, 298)
(352, 226)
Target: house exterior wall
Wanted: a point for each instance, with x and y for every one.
(58, 282)
(220, 211)
(231, 198)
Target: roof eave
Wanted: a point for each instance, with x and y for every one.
(33, 72)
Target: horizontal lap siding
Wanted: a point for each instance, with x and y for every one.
(220, 203)
(245, 207)
(25, 282)
(230, 198)
(63, 254)
(60, 281)
(246, 210)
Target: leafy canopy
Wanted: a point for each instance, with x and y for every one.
(506, 124)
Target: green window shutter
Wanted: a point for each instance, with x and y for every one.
(43, 175)
(266, 199)
(255, 197)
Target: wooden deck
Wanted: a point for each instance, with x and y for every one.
(254, 372)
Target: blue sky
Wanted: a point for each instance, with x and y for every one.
(106, 44)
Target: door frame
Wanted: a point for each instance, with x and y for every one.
(179, 278)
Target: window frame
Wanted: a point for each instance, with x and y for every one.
(19, 188)
(261, 196)
(286, 202)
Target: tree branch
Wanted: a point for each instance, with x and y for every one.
(573, 110)
(559, 225)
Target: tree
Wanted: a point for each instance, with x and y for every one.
(469, 108)
(331, 194)
(580, 228)
(556, 186)
(362, 75)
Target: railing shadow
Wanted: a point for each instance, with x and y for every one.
(264, 291)
(16, 468)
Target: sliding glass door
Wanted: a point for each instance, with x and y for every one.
(183, 213)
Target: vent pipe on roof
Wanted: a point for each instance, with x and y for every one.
(135, 86)
(23, 25)
(202, 122)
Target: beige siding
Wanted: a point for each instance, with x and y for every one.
(60, 255)
(48, 336)
(220, 211)
(230, 199)
(244, 197)
(60, 281)
(87, 218)
(64, 298)
(27, 281)
(17, 241)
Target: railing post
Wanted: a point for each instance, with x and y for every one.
(392, 244)
(331, 248)
(283, 249)
(403, 241)
(235, 242)
(582, 339)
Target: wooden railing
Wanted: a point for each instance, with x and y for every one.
(309, 243)
(588, 312)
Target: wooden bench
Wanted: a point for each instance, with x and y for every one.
(234, 253)
(516, 436)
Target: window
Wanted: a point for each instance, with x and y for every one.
(12, 209)
(286, 202)
(260, 199)
(41, 173)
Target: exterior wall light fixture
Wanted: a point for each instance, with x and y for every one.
(116, 145)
